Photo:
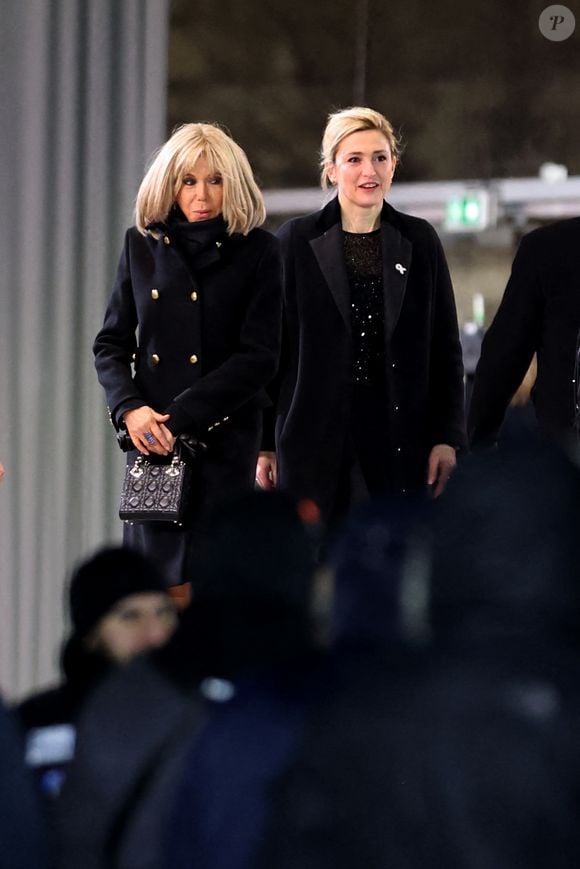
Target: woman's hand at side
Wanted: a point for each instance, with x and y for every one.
(147, 430)
(442, 461)
(267, 471)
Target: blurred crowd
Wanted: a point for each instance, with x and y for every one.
(405, 695)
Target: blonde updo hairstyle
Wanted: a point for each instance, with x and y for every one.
(353, 120)
(243, 205)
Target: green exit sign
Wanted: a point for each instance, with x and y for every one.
(469, 212)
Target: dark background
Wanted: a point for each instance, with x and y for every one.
(474, 87)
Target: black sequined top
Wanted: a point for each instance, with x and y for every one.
(364, 267)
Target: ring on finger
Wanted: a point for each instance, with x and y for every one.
(150, 438)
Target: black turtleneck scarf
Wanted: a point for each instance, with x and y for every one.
(198, 241)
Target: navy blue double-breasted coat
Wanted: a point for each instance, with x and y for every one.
(423, 360)
(200, 345)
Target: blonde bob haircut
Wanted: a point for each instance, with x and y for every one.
(242, 206)
(341, 124)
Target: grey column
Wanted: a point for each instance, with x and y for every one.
(82, 107)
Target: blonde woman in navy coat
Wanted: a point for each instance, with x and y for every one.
(370, 395)
(192, 330)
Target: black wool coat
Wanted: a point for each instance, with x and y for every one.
(200, 344)
(539, 313)
(423, 360)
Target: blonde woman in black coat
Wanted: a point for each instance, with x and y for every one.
(192, 332)
(371, 382)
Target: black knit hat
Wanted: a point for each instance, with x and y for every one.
(105, 578)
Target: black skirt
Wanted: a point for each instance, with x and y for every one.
(225, 471)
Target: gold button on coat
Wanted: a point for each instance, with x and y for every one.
(155, 359)
(155, 294)
(193, 359)
(194, 296)
(166, 239)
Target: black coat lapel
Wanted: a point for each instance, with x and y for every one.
(397, 253)
(329, 252)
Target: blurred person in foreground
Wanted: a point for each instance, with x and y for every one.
(200, 283)
(370, 390)
(119, 607)
(223, 807)
(468, 758)
(539, 314)
(250, 620)
(24, 841)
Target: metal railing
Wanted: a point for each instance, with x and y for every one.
(516, 200)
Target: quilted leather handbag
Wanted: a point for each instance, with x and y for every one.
(154, 491)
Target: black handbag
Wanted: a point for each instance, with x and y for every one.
(158, 491)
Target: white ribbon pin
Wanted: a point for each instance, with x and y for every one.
(400, 268)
